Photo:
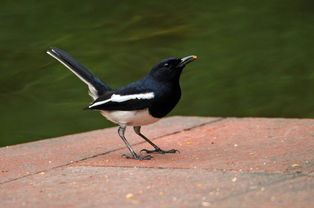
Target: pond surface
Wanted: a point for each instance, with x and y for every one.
(256, 58)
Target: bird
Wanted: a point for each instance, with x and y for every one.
(137, 104)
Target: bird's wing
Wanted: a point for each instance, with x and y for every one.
(125, 99)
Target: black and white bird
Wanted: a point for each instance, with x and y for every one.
(139, 103)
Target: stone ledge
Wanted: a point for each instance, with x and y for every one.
(24, 159)
(229, 162)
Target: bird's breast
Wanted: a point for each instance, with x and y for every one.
(165, 101)
(130, 118)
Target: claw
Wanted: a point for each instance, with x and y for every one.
(145, 150)
(138, 157)
(160, 151)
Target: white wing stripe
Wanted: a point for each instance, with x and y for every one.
(123, 98)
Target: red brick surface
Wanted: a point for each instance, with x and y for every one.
(21, 160)
(233, 162)
(146, 187)
(249, 144)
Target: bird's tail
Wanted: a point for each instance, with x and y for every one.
(95, 85)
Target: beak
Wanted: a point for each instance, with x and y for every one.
(187, 60)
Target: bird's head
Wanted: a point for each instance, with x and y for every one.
(170, 69)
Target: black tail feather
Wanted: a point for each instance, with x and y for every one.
(96, 86)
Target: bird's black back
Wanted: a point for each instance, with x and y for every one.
(166, 97)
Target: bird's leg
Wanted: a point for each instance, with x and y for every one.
(133, 155)
(137, 130)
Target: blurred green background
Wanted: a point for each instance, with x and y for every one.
(255, 58)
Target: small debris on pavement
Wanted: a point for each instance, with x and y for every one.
(129, 195)
(234, 179)
(205, 204)
(295, 165)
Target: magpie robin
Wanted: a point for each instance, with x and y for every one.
(139, 103)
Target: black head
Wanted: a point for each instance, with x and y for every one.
(170, 69)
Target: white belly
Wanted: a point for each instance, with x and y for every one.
(130, 118)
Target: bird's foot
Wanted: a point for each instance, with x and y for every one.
(160, 151)
(137, 157)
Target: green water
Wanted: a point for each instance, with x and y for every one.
(256, 58)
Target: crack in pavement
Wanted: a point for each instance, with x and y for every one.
(113, 150)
